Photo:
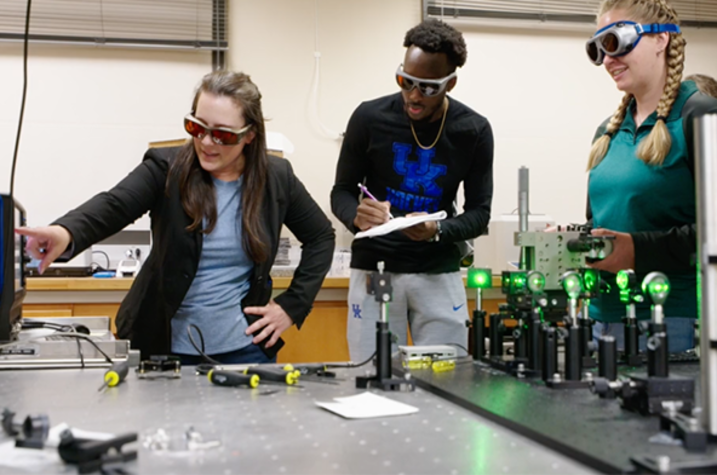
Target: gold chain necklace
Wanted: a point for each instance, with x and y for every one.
(443, 122)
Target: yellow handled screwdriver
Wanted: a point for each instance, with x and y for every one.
(290, 378)
(115, 375)
(232, 378)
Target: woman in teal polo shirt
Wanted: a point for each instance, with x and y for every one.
(641, 186)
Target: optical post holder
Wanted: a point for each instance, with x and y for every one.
(379, 285)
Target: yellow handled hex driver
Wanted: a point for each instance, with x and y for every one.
(289, 378)
(115, 375)
(232, 378)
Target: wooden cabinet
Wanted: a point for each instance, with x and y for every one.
(322, 338)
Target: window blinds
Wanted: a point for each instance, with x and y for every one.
(180, 24)
(699, 13)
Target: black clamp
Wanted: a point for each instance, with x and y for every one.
(319, 370)
(92, 455)
(160, 366)
(31, 434)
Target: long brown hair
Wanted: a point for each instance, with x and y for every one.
(654, 148)
(195, 184)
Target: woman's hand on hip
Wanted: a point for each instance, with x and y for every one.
(274, 321)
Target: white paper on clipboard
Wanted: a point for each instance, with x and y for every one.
(396, 224)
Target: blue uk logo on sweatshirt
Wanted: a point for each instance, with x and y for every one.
(419, 191)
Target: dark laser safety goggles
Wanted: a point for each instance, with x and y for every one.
(618, 39)
(427, 87)
(219, 135)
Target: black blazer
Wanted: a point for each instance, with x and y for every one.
(158, 290)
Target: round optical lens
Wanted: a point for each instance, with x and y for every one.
(223, 137)
(610, 43)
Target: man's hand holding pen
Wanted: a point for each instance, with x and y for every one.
(372, 213)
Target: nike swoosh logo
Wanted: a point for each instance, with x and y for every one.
(455, 309)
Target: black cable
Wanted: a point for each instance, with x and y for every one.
(58, 327)
(66, 335)
(80, 336)
(352, 365)
(106, 257)
(29, 325)
(205, 356)
(82, 356)
(204, 368)
(24, 95)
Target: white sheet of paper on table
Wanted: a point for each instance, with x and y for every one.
(366, 405)
(403, 222)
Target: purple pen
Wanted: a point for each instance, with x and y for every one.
(368, 193)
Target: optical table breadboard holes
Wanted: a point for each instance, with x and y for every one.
(284, 432)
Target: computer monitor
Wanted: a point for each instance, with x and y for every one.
(12, 266)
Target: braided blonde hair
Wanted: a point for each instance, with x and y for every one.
(654, 148)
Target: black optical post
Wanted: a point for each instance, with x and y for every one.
(572, 283)
(591, 289)
(534, 320)
(630, 294)
(573, 352)
(379, 285)
(525, 301)
(478, 279)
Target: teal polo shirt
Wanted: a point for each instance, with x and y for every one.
(628, 195)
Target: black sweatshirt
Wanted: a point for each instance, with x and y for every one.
(379, 148)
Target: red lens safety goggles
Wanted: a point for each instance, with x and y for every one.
(219, 135)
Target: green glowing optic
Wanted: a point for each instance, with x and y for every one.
(479, 278)
(622, 280)
(536, 281)
(625, 279)
(590, 278)
(572, 284)
(657, 286)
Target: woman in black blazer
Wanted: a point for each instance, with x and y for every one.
(217, 205)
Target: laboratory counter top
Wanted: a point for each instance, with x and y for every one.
(322, 337)
(92, 283)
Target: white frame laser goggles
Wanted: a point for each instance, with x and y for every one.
(427, 87)
(619, 38)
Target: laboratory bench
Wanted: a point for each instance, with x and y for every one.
(321, 338)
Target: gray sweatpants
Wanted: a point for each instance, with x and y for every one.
(432, 305)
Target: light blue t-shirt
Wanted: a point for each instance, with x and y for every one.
(213, 302)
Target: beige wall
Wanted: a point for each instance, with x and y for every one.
(360, 44)
(89, 116)
(91, 112)
(535, 84)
